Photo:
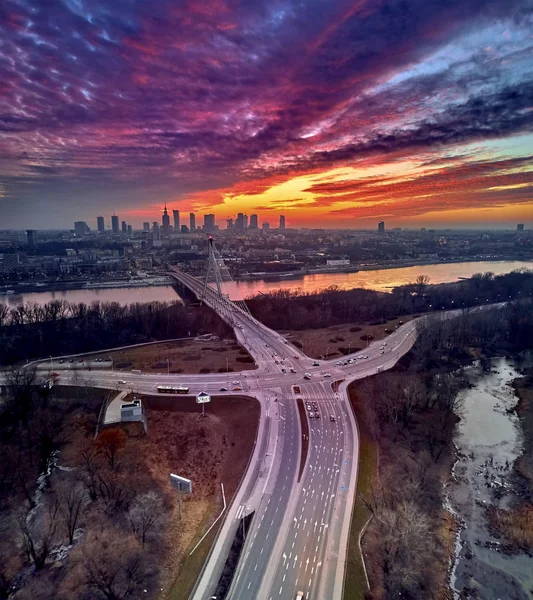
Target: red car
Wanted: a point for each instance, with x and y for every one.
(237, 389)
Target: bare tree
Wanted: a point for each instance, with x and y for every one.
(144, 513)
(113, 565)
(38, 535)
(73, 500)
(110, 441)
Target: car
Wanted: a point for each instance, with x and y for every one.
(71, 360)
(311, 415)
(327, 374)
(365, 356)
(122, 381)
(382, 352)
(360, 357)
(296, 357)
(223, 389)
(293, 370)
(61, 361)
(317, 415)
(237, 389)
(309, 407)
(277, 362)
(283, 370)
(81, 360)
(384, 343)
(332, 418)
(236, 382)
(316, 364)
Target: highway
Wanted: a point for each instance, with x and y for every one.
(298, 537)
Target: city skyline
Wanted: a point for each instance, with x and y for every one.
(417, 114)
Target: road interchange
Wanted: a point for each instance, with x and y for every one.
(299, 533)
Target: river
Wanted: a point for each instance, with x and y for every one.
(382, 280)
(488, 440)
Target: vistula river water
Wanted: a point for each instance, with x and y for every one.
(382, 280)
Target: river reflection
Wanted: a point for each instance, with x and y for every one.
(382, 280)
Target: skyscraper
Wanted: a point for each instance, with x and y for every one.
(80, 228)
(281, 222)
(30, 236)
(100, 225)
(253, 221)
(130, 229)
(192, 218)
(176, 215)
(381, 227)
(165, 221)
(209, 223)
(520, 227)
(229, 224)
(146, 226)
(241, 222)
(124, 227)
(155, 230)
(265, 226)
(114, 224)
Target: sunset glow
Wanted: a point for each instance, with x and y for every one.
(335, 114)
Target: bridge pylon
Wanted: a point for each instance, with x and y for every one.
(226, 290)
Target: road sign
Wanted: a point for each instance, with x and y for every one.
(180, 483)
(202, 398)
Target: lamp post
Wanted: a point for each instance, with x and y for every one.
(327, 352)
(302, 343)
(227, 370)
(168, 367)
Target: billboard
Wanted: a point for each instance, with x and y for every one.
(202, 398)
(180, 483)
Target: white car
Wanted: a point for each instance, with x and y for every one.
(122, 381)
(327, 374)
(236, 382)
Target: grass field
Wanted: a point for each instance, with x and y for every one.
(318, 343)
(355, 581)
(224, 444)
(184, 356)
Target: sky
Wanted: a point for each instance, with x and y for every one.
(335, 113)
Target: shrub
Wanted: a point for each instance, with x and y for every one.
(205, 370)
(355, 329)
(366, 337)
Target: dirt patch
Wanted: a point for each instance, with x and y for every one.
(183, 356)
(339, 340)
(305, 435)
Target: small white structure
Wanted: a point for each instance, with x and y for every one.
(181, 484)
(132, 411)
(202, 398)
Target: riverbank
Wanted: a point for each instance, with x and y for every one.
(86, 284)
(356, 267)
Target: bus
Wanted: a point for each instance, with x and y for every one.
(172, 389)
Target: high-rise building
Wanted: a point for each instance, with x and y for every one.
(209, 223)
(192, 222)
(155, 230)
(176, 215)
(165, 221)
(130, 229)
(100, 224)
(124, 227)
(30, 237)
(146, 226)
(241, 222)
(265, 226)
(184, 229)
(81, 228)
(114, 224)
(253, 221)
(229, 224)
(381, 227)
(520, 227)
(281, 222)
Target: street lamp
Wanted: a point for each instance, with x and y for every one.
(327, 352)
(168, 367)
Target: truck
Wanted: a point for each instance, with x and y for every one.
(300, 596)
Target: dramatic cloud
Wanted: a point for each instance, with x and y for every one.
(259, 104)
